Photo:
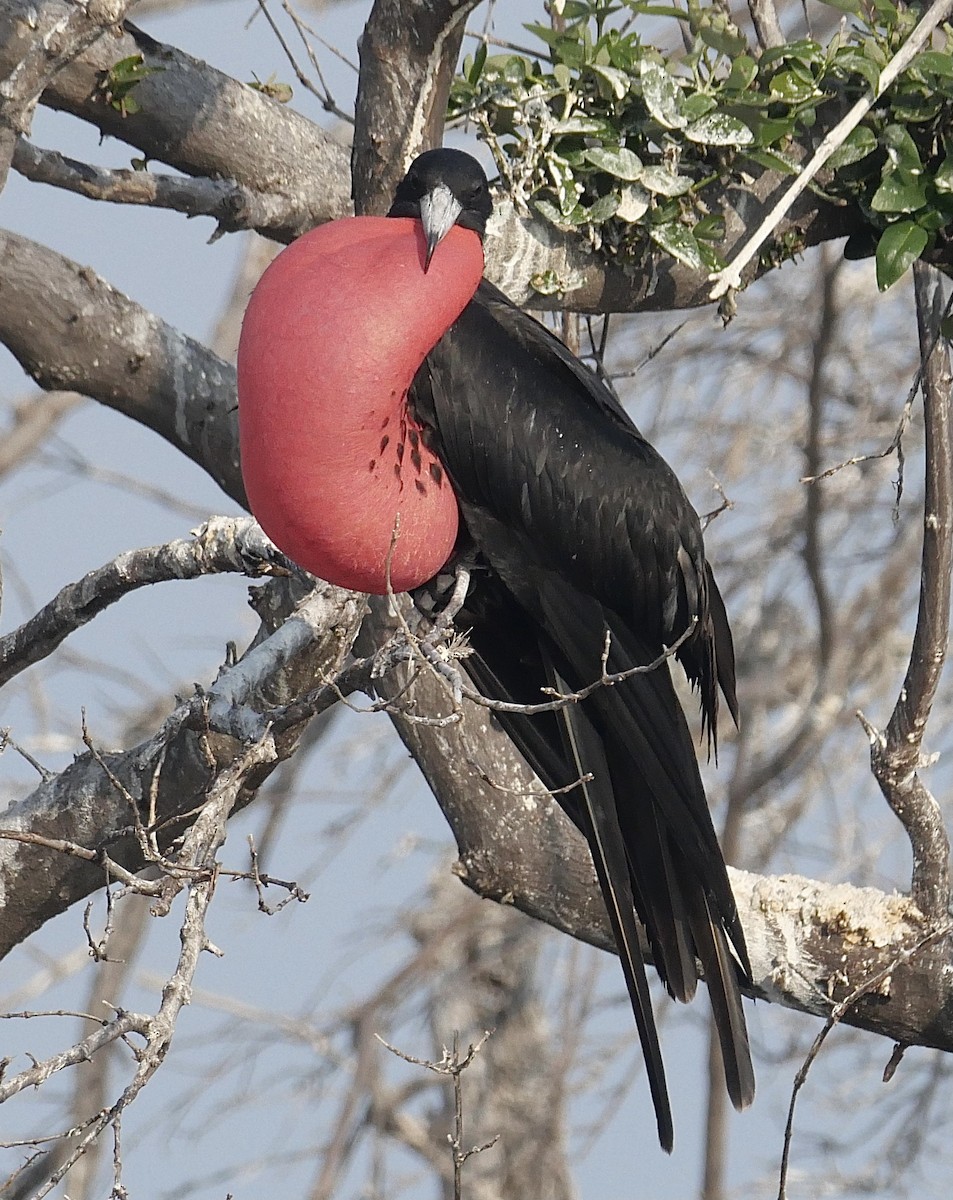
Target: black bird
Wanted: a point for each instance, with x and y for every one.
(585, 531)
(583, 545)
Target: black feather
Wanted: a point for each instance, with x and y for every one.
(583, 530)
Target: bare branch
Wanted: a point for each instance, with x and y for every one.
(837, 1015)
(202, 122)
(222, 544)
(230, 205)
(38, 44)
(123, 1024)
(33, 419)
(764, 17)
(70, 330)
(408, 52)
(88, 804)
(895, 754)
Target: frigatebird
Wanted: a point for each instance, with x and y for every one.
(397, 409)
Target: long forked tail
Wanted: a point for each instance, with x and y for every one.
(601, 826)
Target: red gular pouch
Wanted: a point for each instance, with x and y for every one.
(335, 468)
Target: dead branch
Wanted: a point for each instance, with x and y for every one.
(895, 754)
(230, 205)
(70, 330)
(222, 544)
(88, 804)
(38, 44)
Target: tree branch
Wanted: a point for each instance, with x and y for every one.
(201, 122)
(89, 802)
(895, 755)
(230, 205)
(408, 50)
(764, 17)
(37, 44)
(70, 330)
(731, 276)
(222, 544)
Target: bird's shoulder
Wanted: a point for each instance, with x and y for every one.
(531, 437)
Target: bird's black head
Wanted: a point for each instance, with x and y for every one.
(443, 188)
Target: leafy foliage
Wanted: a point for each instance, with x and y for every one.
(603, 134)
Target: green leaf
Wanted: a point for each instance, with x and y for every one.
(719, 129)
(771, 160)
(697, 105)
(563, 76)
(858, 144)
(943, 179)
(479, 62)
(773, 129)
(744, 71)
(604, 208)
(634, 203)
(899, 247)
(934, 62)
(680, 242)
(851, 61)
(546, 33)
(547, 283)
(902, 150)
(722, 34)
(805, 51)
(899, 193)
(664, 181)
(617, 80)
(847, 6)
(710, 228)
(564, 181)
(621, 163)
(791, 88)
(662, 94)
(579, 124)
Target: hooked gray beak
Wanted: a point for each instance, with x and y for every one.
(439, 210)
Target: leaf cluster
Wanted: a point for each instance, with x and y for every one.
(116, 85)
(604, 134)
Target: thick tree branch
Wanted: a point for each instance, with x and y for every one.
(764, 17)
(409, 50)
(204, 123)
(71, 331)
(895, 754)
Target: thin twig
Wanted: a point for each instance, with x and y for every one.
(325, 98)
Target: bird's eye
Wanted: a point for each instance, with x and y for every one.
(474, 192)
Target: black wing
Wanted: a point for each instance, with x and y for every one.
(586, 530)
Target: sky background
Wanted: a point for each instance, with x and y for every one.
(62, 516)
